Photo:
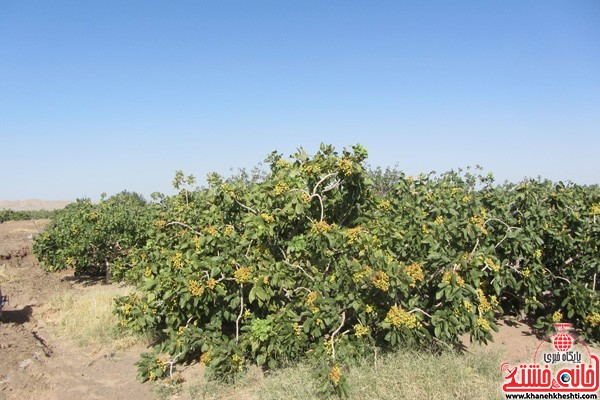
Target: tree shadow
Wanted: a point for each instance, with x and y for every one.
(85, 280)
(512, 323)
(17, 316)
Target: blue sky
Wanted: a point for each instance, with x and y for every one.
(101, 96)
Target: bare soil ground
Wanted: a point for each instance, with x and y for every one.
(36, 363)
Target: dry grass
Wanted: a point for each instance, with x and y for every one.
(87, 318)
(5, 275)
(402, 375)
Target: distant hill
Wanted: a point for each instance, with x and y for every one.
(32, 205)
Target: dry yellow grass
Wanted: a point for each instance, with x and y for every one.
(87, 318)
(405, 374)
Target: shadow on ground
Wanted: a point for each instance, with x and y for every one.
(17, 316)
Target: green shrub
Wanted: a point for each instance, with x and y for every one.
(319, 258)
(90, 237)
(11, 215)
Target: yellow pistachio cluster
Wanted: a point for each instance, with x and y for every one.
(384, 205)
(557, 316)
(415, 271)
(320, 227)
(468, 307)
(593, 319)
(211, 283)
(126, 309)
(484, 303)
(197, 244)
(306, 197)
(352, 234)
(476, 220)
(228, 188)
(360, 330)
(494, 300)
(195, 288)
(281, 163)
(335, 375)
(362, 274)
(162, 364)
(399, 318)
(297, 329)
(205, 357)
(311, 169)
(381, 281)
(447, 278)
(281, 188)
(479, 221)
(345, 166)
(267, 218)
(228, 230)
(243, 275)
(490, 263)
(239, 361)
(483, 324)
(310, 301)
(211, 230)
(177, 260)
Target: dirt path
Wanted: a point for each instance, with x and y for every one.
(34, 362)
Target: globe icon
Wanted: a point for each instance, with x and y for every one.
(562, 342)
(565, 378)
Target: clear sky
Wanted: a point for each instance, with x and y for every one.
(101, 96)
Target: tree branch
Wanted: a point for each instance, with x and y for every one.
(472, 253)
(508, 229)
(335, 333)
(332, 186)
(172, 362)
(321, 181)
(302, 288)
(252, 210)
(185, 226)
(419, 310)
(557, 277)
(322, 206)
(301, 269)
(237, 321)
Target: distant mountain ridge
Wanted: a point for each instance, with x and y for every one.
(32, 204)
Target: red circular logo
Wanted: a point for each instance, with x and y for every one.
(562, 342)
